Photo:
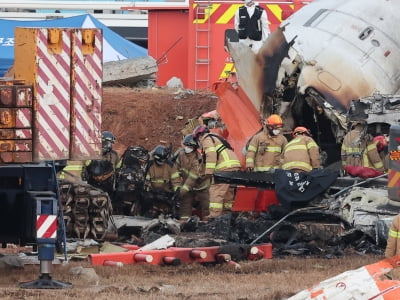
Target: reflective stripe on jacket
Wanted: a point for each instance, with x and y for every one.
(351, 150)
(265, 152)
(371, 157)
(163, 177)
(301, 153)
(357, 151)
(226, 159)
(190, 167)
(72, 171)
(393, 241)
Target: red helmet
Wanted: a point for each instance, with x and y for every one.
(381, 142)
(301, 130)
(274, 120)
(200, 130)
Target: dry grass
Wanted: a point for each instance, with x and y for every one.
(273, 279)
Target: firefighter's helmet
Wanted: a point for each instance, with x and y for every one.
(134, 154)
(301, 130)
(189, 141)
(381, 142)
(108, 136)
(160, 153)
(274, 120)
(107, 139)
(199, 131)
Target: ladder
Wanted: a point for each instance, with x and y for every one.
(202, 46)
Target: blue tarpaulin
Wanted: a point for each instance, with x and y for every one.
(115, 47)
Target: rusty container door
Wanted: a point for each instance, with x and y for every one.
(15, 122)
(86, 93)
(43, 59)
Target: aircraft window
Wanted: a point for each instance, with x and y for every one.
(314, 17)
(375, 43)
(366, 33)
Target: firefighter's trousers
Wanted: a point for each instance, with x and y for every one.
(188, 201)
(221, 199)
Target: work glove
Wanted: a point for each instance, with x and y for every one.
(249, 169)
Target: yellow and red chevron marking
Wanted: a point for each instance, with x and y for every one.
(46, 226)
(218, 13)
(393, 178)
(52, 93)
(88, 74)
(228, 69)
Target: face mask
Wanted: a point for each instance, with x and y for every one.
(159, 163)
(188, 150)
(276, 131)
(106, 146)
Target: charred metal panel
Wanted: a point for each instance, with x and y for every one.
(365, 207)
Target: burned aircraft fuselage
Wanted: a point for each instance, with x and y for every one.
(319, 60)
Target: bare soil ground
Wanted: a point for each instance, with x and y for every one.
(150, 116)
(269, 279)
(146, 117)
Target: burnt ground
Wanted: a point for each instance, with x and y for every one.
(150, 116)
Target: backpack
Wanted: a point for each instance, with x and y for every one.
(131, 175)
(99, 168)
(225, 143)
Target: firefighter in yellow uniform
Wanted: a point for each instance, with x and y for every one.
(72, 171)
(195, 188)
(359, 148)
(161, 184)
(382, 147)
(393, 241)
(219, 156)
(265, 149)
(301, 154)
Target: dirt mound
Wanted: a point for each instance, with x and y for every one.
(148, 117)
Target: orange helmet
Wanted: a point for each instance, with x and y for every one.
(381, 142)
(274, 120)
(301, 130)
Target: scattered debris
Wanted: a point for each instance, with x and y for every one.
(373, 281)
(10, 261)
(129, 71)
(85, 275)
(174, 83)
(176, 255)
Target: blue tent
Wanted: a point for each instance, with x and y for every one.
(115, 47)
